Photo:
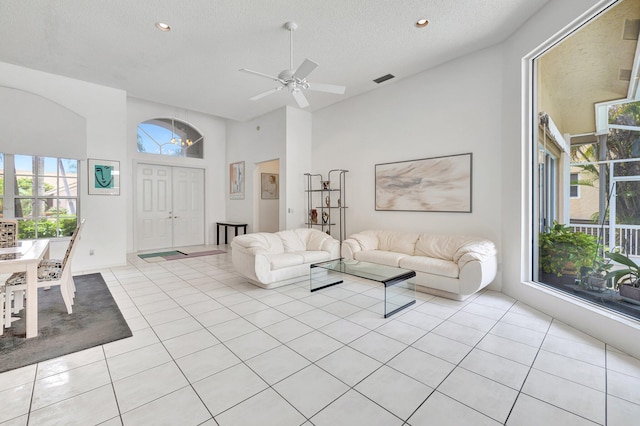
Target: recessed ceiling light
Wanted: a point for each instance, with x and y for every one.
(421, 23)
(163, 26)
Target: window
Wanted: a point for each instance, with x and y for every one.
(168, 136)
(587, 183)
(43, 194)
(574, 188)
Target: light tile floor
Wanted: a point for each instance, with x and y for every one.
(208, 348)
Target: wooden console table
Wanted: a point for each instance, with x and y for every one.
(227, 225)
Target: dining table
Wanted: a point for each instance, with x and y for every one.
(25, 257)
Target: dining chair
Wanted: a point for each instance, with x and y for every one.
(51, 272)
(8, 238)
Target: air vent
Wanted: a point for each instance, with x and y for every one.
(631, 29)
(624, 75)
(384, 78)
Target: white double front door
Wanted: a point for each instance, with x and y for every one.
(170, 206)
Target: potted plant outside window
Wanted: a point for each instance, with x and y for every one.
(562, 253)
(626, 280)
(594, 277)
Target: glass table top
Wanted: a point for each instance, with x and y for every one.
(371, 271)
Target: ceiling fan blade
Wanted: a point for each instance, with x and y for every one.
(300, 98)
(261, 75)
(305, 69)
(329, 88)
(263, 94)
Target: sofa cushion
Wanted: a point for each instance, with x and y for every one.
(284, 260)
(429, 265)
(292, 241)
(440, 246)
(399, 242)
(388, 258)
(313, 256)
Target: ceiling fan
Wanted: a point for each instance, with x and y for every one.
(295, 80)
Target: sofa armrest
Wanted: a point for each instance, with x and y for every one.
(359, 242)
(476, 274)
(250, 248)
(331, 246)
(477, 250)
(350, 248)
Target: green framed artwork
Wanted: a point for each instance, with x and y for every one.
(104, 177)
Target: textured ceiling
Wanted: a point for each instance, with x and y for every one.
(195, 66)
(584, 69)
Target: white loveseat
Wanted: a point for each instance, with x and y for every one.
(450, 266)
(272, 260)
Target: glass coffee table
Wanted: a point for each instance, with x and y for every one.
(399, 291)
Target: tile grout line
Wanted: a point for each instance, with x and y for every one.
(459, 366)
(529, 372)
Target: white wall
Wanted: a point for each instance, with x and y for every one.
(297, 163)
(284, 134)
(254, 141)
(104, 110)
(64, 131)
(623, 334)
(452, 109)
(213, 130)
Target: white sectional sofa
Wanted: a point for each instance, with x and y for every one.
(450, 266)
(272, 260)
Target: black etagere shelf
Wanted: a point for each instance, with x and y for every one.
(326, 203)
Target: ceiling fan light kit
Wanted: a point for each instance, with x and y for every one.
(295, 80)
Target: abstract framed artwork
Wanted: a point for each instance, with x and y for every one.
(269, 183)
(438, 184)
(104, 177)
(236, 180)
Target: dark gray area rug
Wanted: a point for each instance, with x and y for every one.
(95, 320)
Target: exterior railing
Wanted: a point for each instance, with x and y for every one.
(627, 236)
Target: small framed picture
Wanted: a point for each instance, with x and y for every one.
(104, 177)
(326, 184)
(269, 186)
(236, 180)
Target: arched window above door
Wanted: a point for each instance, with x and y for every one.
(169, 136)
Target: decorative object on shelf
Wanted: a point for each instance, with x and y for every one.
(438, 184)
(269, 186)
(236, 180)
(314, 216)
(326, 184)
(326, 201)
(104, 177)
(339, 203)
(325, 217)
